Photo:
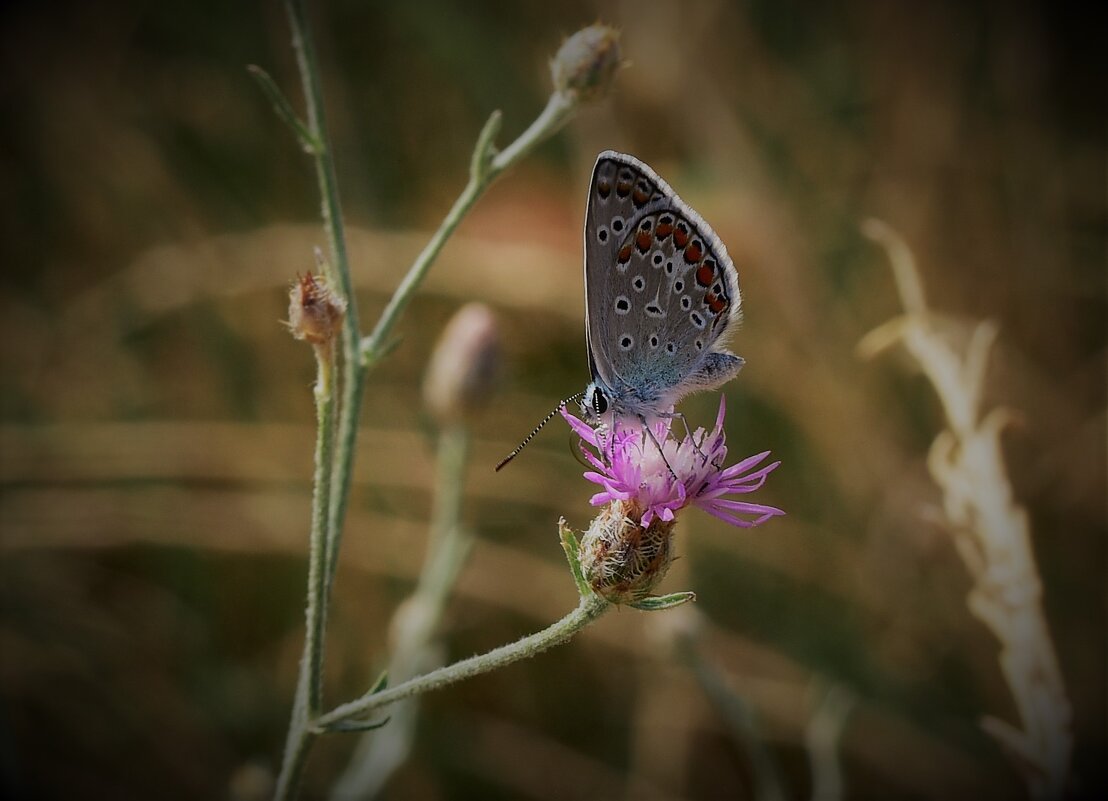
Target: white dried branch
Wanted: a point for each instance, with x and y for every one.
(990, 530)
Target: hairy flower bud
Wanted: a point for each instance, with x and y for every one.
(622, 560)
(464, 366)
(315, 310)
(586, 62)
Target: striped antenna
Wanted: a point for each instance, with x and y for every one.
(538, 428)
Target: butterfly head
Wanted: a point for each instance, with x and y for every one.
(596, 403)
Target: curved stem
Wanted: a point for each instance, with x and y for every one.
(557, 111)
(589, 609)
(487, 165)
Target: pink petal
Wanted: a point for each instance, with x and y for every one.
(718, 492)
(751, 481)
(617, 492)
(744, 465)
(580, 427)
(745, 508)
(596, 478)
(722, 411)
(600, 499)
(761, 472)
(734, 521)
(764, 513)
(593, 460)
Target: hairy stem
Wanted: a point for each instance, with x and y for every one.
(589, 609)
(332, 475)
(353, 374)
(309, 687)
(338, 427)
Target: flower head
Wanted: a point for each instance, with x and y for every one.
(656, 474)
(315, 310)
(464, 367)
(586, 62)
(646, 476)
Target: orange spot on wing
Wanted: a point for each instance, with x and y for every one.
(623, 188)
(604, 188)
(642, 240)
(716, 304)
(625, 253)
(681, 235)
(693, 253)
(704, 277)
(640, 197)
(664, 230)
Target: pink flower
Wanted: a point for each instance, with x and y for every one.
(630, 467)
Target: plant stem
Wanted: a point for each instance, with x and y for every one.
(740, 718)
(449, 542)
(309, 696)
(332, 475)
(353, 373)
(416, 623)
(558, 110)
(486, 166)
(589, 609)
(334, 464)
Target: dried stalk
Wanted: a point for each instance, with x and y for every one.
(990, 530)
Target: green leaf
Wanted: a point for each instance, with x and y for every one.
(284, 109)
(352, 726)
(370, 357)
(485, 149)
(570, 546)
(654, 603)
(381, 683)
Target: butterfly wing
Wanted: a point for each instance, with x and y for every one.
(661, 293)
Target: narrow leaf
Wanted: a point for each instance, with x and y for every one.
(654, 603)
(381, 683)
(370, 357)
(485, 149)
(570, 546)
(284, 109)
(352, 726)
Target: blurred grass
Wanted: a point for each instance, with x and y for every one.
(156, 438)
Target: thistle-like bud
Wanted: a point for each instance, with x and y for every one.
(315, 310)
(586, 62)
(622, 560)
(464, 367)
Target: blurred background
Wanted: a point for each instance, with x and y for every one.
(157, 420)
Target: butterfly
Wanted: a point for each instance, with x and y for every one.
(661, 298)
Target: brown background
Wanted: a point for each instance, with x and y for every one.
(157, 421)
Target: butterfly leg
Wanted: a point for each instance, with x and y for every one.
(654, 439)
(696, 444)
(717, 369)
(675, 415)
